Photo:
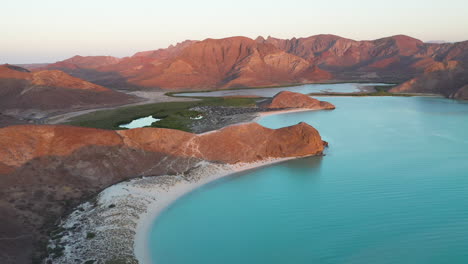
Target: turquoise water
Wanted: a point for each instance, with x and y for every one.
(140, 122)
(304, 89)
(393, 188)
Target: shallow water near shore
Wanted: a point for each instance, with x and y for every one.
(393, 188)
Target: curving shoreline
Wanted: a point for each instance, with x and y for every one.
(182, 188)
(210, 173)
(114, 225)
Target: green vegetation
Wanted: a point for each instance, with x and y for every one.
(90, 235)
(174, 115)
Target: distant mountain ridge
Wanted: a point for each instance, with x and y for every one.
(244, 62)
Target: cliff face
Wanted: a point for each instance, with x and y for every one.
(51, 90)
(288, 99)
(46, 170)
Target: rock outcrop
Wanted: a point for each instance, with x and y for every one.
(288, 99)
(47, 170)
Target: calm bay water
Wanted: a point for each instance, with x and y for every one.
(393, 188)
(304, 89)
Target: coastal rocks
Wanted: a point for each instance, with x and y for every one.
(47, 170)
(288, 99)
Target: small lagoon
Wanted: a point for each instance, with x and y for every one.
(140, 122)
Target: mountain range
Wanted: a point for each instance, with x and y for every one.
(244, 62)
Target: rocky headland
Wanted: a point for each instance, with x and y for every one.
(49, 170)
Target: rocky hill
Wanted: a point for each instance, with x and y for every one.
(449, 79)
(288, 99)
(25, 94)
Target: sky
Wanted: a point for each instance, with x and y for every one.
(35, 31)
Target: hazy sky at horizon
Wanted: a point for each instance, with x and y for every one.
(50, 30)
